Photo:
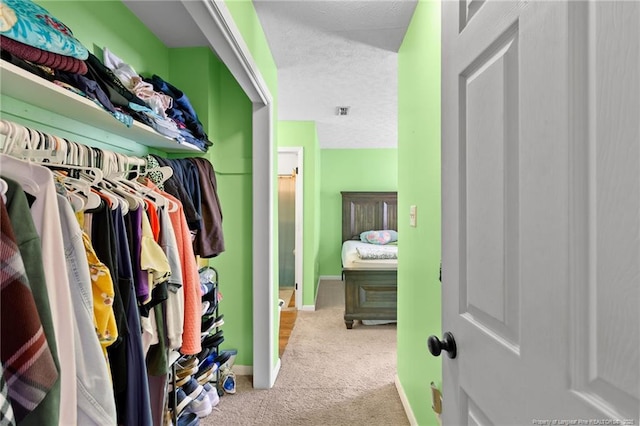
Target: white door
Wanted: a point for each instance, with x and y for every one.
(541, 211)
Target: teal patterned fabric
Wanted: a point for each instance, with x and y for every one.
(31, 24)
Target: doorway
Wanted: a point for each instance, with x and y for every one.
(290, 227)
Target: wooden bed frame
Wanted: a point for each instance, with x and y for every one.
(369, 294)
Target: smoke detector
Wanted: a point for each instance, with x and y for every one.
(342, 110)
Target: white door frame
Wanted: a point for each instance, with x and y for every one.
(299, 215)
(217, 24)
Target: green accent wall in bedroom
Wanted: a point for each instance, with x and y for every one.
(419, 184)
(303, 134)
(349, 170)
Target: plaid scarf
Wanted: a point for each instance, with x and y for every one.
(29, 369)
(6, 411)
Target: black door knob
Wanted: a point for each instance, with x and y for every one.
(447, 344)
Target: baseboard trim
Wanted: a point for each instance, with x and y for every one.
(329, 277)
(243, 370)
(405, 402)
(247, 370)
(274, 373)
(308, 308)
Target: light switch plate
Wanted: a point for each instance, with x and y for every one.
(413, 212)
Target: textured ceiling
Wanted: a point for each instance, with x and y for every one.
(338, 53)
(328, 53)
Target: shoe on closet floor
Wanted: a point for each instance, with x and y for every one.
(228, 380)
(206, 324)
(219, 322)
(207, 374)
(182, 381)
(201, 405)
(205, 307)
(204, 353)
(181, 373)
(186, 362)
(214, 359)
(192, 388)
(212, 342)
(232, 358)
(207, 275)
(188, 419)
(210, 308)
(210, 324)
(212, 393)
(222, 358)
(182, 400)
(206, 288)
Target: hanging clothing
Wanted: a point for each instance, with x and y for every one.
(112, 293)
(209, 240)
(134, 408)
(7, 417)
(25, 354)
(191, 344)
(103, 291)
(96, 404)
(174, 309)
(28, 243)
(44, 211)
(174, 187)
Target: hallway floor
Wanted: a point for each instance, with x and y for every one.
(288, 317)
(329, 375)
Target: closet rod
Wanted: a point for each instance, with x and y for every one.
(5, 129)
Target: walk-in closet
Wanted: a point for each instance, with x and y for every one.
(128, 175)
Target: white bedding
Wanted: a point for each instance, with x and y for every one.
(351, 259)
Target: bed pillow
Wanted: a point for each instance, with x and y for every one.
(379, 237)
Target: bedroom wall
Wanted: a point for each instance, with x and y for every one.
(225, 112)
(348, 170)
(303, 134)
(419, 184)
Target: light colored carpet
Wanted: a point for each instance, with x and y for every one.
(329, 375)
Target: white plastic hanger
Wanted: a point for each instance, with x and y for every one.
(14, 168)
(111, 168)
(152, 191)
(79, 189)
(15, 139)
(4, 187)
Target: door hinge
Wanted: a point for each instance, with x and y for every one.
(296, 286)
(296, 170)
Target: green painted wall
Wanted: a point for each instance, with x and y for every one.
(246, 19)
(303, 134)
(231, 155)
(228, 110)
(419, 184)
(349, 170)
